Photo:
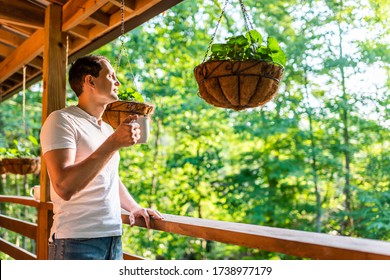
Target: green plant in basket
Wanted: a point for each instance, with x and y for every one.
(131, 94)
(249, 46)
(22, 150)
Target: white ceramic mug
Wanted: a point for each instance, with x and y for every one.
(35, 192)
(144, 126)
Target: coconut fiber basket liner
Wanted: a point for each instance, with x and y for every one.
(238, 85)
(118, 111)
(22, 165)
(2, 168)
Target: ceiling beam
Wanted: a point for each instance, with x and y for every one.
(76, 11)
(21, 13)
(100, 18)
(129, 4)
(26, 52)
(5, 51)
(10, 38)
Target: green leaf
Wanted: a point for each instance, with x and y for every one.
(131, 94)
(256, 36)
(276, 54)
(240, 41)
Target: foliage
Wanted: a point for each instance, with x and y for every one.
(131, 95)
(21, 149)
(284, 165)
(249, 47)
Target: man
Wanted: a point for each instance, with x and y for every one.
(82, 158)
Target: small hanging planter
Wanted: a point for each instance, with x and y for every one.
(118, 111)
(130, 102)
(22, 166)
(241, 73)
(2, 168)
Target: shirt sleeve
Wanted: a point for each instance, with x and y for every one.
(58, 132)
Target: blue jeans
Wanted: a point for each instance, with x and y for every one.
(102, 248)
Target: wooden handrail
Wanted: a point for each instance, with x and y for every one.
(22, 227)
(291, 242)
(23, 200)
(15, 252)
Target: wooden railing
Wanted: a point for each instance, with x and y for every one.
(290, 242)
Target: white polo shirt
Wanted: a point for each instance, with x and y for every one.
(94, 211)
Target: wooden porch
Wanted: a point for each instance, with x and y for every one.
(57, 32)
(291, 242)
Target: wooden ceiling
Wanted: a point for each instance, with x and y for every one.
(88, 25)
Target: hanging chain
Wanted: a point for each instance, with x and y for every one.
(248, 26)
(215, 31)
(123, 47)
(248, 23)
(24, 100)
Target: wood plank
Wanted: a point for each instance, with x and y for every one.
(80, 32)
(75, 12)
(116, 18)
(129, 4)
(15, 252)
(22, 227)
(23, 200)
(127, 256)
(21, 13)
(37, 63)
(10, 38)
(100, 18)
(5, 51)
(286, 241)
(27, 51)
(79, 48)
(53, 98)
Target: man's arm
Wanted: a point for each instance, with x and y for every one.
(69, 178)
(129, 204)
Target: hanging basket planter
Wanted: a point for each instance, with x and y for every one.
(118, 111)
(243, 72)
(2, 168)
(22, 166)
(238, 85)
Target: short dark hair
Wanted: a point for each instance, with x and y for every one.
(87, 65)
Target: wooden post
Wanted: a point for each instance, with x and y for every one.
(54, 94)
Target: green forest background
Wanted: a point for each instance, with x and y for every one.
(316, 158)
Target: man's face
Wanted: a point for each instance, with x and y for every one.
(106, 84)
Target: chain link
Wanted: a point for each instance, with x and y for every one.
(215, 31)
(248, 26)
(123, 47)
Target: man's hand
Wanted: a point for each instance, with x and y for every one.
(127, 133)
(145, 213)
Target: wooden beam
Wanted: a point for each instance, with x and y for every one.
(27, 51)
(129, 4)
(100, 18)
(75, 12)
(53, 98)
(80, 32)
(10, 38)
(21, 13)
(23, 31)
(80, 48)
(15, 252)
(24, 228)
(115, 21)
(291, 242)
(5, 51)
(37, 63)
